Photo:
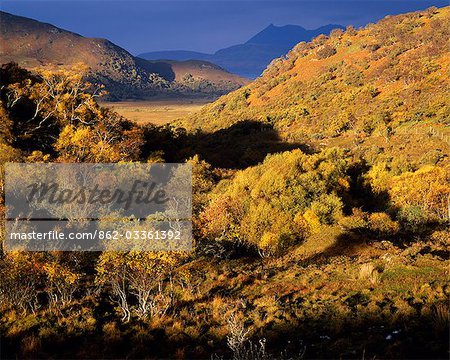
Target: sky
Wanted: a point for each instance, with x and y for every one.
(200, 25)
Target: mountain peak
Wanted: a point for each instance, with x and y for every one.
(252, 57)
(287, 35)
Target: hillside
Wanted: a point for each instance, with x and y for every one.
(33, 45)
(190, 73)
(370, 88)
(252, 57)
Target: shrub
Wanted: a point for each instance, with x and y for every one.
(137, 276)
(325, 51)
(328, 208)
(19, 283)
(302, 225)
(357, 221)
(312, 220)
(441, 238)
(221, 217)
(378, 178)
(202, 181)
(271, 234)
(61, 284)
(269, 244)
(412, 218)
(350, 30)
(336, 33)
(339, 124)
(382, 224)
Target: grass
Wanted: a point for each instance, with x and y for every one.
(288, 301)
(158, 111)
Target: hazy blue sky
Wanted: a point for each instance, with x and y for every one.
(205, 25)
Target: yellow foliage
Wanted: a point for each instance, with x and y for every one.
(302, 225)
(38, 156)
(428, 188)
(383, 224)
(357, 221)
(379, 177)
(8, 154)
(56, 272)
(313, 221)
(82, 144)
(154, 265)
(263, 205)
(269, 244)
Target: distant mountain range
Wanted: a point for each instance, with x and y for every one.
(251, 58)
(36, 45)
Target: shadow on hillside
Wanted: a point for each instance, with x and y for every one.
(243, 144)
(361, 196)
(163, 69)
(352, 243)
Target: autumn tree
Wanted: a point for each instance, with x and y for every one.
(55, 111)
(264, 206)
(20, 279)
(109, 138)
(62, 283)
(138, 275)
(427, 190)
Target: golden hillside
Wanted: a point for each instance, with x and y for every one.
(369, 87)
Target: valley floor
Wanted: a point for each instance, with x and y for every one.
(157, 111)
